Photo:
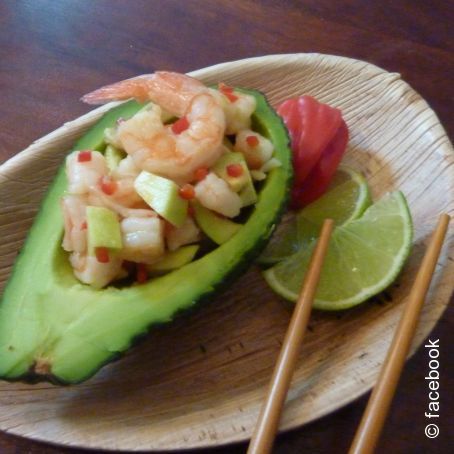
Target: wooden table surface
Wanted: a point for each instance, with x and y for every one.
(52, 52)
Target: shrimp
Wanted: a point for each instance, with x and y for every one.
(179, 236)
(214, 193)
(82, 174)
(155, 147)
(126, 169)
(238, 112)
(98, 198)
(90, 271)
(256, 155)
(143, 239)
(86, 178)
(172, 91)
(74, 215)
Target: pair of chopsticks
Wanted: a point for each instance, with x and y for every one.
(380, 400)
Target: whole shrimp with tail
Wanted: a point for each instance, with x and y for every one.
(159, 148)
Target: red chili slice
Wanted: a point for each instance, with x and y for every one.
(141, 273)
(84, 156)
(234, 170)
(252, 141)
(180, 125)
(224, 88)
(102, 254)
(227, 92)
(200, 173)
(187, 192)
(84, 226)
(230, 96)
(108, 186)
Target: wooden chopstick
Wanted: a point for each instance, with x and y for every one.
(265, 430)
(377, 408)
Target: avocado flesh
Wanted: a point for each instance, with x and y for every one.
(174, 259)
(103, 229)
(54, 328)
(236, 183)
(163, 197)
(217, 228)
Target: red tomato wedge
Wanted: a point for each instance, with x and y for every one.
(316, 131)
(318, 180)
(289, 112)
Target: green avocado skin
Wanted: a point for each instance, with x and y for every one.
(53, 328)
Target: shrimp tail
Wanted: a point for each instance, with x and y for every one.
(136, 87)
(172, 91)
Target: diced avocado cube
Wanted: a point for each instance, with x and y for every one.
(103, 229)
(220, 169)
(163, 196)
(258, 175)
(243, 184)
(218, 229)
(174, 259)
(113, 157)
(248, 194)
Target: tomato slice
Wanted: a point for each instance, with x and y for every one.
(320, 123)
(312, 126)
(289, 112)
(319, 178)
(318, 138)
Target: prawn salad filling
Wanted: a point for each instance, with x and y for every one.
(178, 172)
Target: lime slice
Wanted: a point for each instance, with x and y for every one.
(346, 199)
(364, 257)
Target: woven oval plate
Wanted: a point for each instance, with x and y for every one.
(199, 382)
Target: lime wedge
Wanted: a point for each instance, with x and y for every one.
(346, 199)
(364, 257)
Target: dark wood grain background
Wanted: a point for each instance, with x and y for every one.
(52, 52)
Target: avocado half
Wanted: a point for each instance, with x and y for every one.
(53, 328)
